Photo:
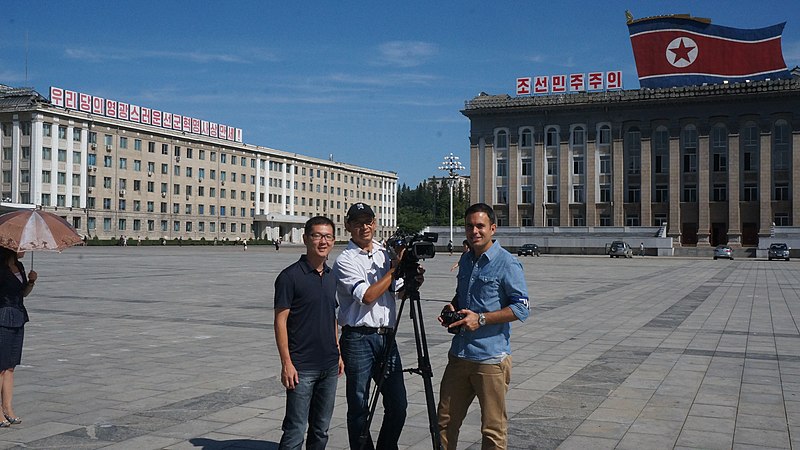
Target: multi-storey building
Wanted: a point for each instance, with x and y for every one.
(111, 177)
(717, 163)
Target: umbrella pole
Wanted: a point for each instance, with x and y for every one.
(31, 261)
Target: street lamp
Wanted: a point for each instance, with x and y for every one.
(452, 166)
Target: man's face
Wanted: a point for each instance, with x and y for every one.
(320, 241)
(362, 229)
(479, 231)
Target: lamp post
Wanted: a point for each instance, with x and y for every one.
(452, 166)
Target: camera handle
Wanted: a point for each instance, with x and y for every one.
(423, 361)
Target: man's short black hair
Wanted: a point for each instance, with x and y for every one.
(481, 207)
(319, 220)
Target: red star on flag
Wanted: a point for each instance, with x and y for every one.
(681, 52)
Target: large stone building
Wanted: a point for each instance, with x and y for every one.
(717, 163)
(111, 177)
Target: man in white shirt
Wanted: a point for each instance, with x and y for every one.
(366, 291)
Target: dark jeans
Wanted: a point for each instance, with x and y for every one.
(362, 354)
(310, 402)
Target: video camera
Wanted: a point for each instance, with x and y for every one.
(418, 246)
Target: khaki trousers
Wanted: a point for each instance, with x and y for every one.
(464, 380)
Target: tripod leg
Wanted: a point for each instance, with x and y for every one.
(425, 369)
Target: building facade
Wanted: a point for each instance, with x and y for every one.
(111, 177)
(718, 164)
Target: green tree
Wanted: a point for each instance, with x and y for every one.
(429, 205)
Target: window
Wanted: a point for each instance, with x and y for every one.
(552, 166)
(165, 149)
(781, 154)
(107, 182)
(501, 139)
(188, 153)
(719, 192)
(47, 129)
(502, 167)
(552, 194)
(164, 169)
(661, 193)
(151, 147)
(577, 165)
(123, 163)
(750, 192)
(605, 220)
(634, 194)
(782, 220)
(605, 193)
(502, 194)
(633, 150)
(76, 157)
(137, 145)
(632, 220)
(578, 220)
(189, 172)
(660, 142)
(177, 151)
(62, 155)
(605, 164)
(62, 178)
(527, 167)
(223, 158)
(527, 195)
(526, 138)
(46, 153)
(719, 149)
(123, 142)
(781, 191)
(137, 165)
(690, 193)
(201, 155)
(62, 132)
(659, 219)
(46, 176)
(689, 150)
(107, 161)
(106, 203)
(577, 193)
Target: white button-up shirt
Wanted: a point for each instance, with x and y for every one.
(355, 271)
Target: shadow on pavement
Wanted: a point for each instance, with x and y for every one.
(211, 444)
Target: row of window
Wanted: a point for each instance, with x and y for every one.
(718, 193)
(177, 225)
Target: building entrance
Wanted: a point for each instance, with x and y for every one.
(719, 234)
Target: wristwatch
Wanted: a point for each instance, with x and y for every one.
(481, 319)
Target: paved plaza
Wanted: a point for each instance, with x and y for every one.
(173, 348)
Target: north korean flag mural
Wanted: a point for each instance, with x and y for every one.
(680, 51)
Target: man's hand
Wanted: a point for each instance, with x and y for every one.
(289, 377)
(341, 366)
(469, 322)
(447, 307)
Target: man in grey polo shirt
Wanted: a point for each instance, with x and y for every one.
(366, 292)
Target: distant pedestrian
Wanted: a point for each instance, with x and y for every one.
(277, 242)
(450, 247)
(641, 249)
(464, 249)
(139, 241)
(244, 244)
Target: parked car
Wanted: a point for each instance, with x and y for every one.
(620, 248)
(723, 251)
(528, 250)
(778, 250)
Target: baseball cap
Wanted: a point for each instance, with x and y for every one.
(359, 209)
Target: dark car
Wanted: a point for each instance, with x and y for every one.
(619, 249)
(528, 250)
(723, 251)
(778, 251)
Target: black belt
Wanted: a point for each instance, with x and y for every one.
(368, 330)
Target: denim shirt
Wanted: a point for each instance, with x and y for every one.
(491, 283)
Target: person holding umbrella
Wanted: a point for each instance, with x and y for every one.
(14, 286)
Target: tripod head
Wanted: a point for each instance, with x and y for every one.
(417, 247)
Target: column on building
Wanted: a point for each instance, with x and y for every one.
(765, 182)
(512, 180)
(564, 179)
(795, 176)
(539, 184)
(68, 166)
(16, 135)
(591, 184)
(385, 202)
(476, 193)
(703, 188)
(675, 195)
(487, 171)
(84, 164)
(55, 145)
(618, 206)
(259, 204)
(267, 182)
(291, 188)
(282, 208)
(646, 174)
(37, 136)
(734, 187)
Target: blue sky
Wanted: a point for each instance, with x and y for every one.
(378, 84)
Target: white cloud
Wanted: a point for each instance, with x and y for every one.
(99, 55)
(406, 53)
(791, 53)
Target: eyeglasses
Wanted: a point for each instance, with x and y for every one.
(316, 237)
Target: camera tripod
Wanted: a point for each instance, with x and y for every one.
(411, 287)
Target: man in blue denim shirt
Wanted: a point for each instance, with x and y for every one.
(491, 293)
